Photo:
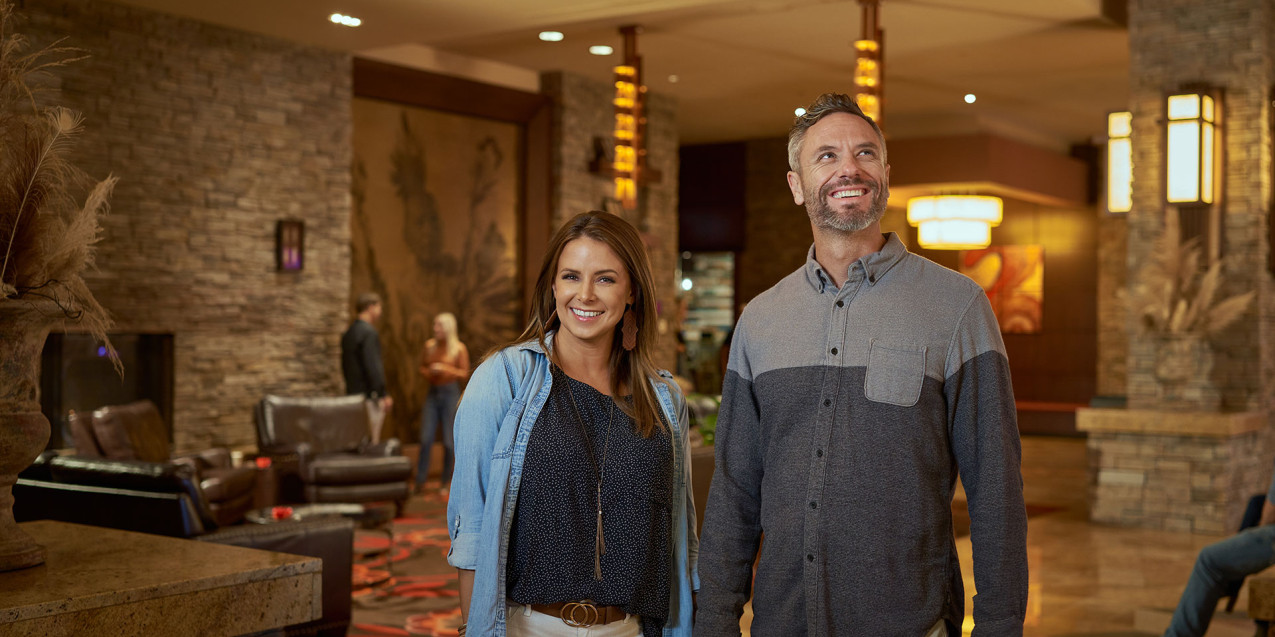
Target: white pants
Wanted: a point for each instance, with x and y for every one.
(375, 418)
(521, 621)
(939, 630)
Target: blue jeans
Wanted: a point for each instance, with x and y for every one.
(440, 407)
(1219, 565)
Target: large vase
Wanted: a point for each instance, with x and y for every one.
(23, 429)
(1183, 365)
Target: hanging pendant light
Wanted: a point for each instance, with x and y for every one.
(955, 222)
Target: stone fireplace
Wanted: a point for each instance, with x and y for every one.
(77, 375)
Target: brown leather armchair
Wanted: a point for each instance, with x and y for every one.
(321, 451)
(136, 432)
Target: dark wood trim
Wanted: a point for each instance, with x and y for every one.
(538, 198)
(379, 80)
(532, 111)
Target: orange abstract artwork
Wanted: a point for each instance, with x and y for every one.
(1013, 277)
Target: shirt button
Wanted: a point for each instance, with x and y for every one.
(834, 351)
(827, 402)
(818, 453)
(814, 505)
(841, 303)
(872, 279)
(810, 557)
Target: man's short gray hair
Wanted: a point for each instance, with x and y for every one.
(825, 105)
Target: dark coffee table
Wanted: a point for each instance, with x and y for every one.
(371, 516)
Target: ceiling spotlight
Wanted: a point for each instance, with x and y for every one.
(799, 112)
(601, 49)
(969, 98)
(551, 36)
(687, 284)
(349, 21)
(672, 79)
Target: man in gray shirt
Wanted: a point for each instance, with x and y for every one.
(857, 388)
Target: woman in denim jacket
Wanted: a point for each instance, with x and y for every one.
(570, 505)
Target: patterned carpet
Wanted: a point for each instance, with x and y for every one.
(420, 599)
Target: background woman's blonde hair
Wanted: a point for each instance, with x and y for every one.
(452, 341)
(629, 369)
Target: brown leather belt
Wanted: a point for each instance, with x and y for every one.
(581, 614)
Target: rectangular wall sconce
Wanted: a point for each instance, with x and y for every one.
(1120, 162)
(1193, 148)
(289, 245)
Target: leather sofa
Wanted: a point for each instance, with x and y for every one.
(135, 431)
(166, 499)
(321, 450)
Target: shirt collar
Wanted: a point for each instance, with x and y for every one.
(533, 345)
(872, 267)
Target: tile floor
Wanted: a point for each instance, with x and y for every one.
(1088, 579)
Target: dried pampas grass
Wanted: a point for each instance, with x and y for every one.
(46, 235)
(1173, 298)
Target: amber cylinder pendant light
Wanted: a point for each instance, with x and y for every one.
(868, 69)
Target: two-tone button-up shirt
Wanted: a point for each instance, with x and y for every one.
(846, 417)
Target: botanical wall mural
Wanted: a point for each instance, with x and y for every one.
(434, 229)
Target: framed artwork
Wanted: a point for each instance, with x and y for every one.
(289, 245)
(448, 204)
(1013, 277)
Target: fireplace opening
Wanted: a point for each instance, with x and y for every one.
(77, 375)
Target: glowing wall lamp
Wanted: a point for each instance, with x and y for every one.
(955, 222)
(1193, 149)
(1120, 162)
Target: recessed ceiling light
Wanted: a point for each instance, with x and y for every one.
(551, 36)
(799, 112)
(601, 49)
(672, 79)
(970, 97)
(349, 21)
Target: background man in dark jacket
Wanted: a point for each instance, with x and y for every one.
(361, 360)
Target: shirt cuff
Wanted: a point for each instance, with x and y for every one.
(464, 552)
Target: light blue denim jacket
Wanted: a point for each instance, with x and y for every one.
(502, 401)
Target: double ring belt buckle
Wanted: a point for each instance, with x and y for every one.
(581, 614)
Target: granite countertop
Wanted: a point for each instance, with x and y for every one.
(96, 577)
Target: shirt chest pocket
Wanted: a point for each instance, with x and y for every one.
(895, 374)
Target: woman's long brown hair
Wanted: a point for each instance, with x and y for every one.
(632, 369)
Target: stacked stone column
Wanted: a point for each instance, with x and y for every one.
(1198, 474)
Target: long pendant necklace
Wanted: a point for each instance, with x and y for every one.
(599, 545)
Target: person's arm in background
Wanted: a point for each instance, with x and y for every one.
(370, 355)
(457, 372)
(732, 518)
(423, 367)
(982, 419)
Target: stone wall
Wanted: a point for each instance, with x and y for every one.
(1175, 471)
(215, 135)
(1113, 331)
(777, 231)
(1227, 44)
(583, 113)
(1175, 483)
